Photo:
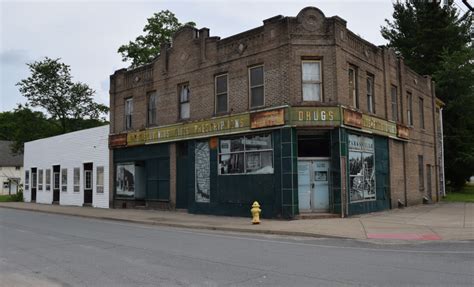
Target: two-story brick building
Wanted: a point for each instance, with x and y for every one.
(299, 114)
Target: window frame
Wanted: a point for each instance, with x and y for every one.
(371, 93)
(216, 94)
(317, 82)
(99, 188)
(421, 107)
(64, 176)
(394, 104)
(76, 184)
(88, 172)
(58, 173)
(250, 86)
(244, 152)
(128, 108)
(181, 103)
(410, 108)
(151, 109)
(362, 152)
(354, 93)
(47, 179)
(27, 179)
(40, 179)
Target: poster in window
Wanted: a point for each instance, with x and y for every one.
(361, 168)
(203, 172)
(125, 181)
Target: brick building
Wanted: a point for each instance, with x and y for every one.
(299, 114)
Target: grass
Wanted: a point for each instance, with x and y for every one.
(465, 195)
(10, 198)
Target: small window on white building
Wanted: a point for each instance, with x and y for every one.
(48, 180)
(64, 180)
(311, 80)
(40, 179)
(56, 180)
(34, 179)
(77, 175)
(27, 179)
(100, 179)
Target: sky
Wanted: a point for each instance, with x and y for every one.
(87, 34)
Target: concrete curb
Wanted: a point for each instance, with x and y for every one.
(178, 225)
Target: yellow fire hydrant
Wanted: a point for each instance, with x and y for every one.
(255, 212)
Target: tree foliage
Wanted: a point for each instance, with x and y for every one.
(158, 30)
(50, 87)
(434, 40)
(23, 125)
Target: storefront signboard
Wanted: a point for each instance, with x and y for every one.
(267, 119)
(202, 128)
(118, 140)
(379, 126)
(315, 116)
(403, 132)
(352, 118)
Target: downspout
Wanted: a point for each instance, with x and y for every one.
(433, 112)
(443, 187)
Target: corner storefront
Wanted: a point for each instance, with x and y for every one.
(291, 160)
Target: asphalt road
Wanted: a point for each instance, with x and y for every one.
(38, 249)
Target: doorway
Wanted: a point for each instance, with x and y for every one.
(56, 193)
(88, 183)
(34, 182)
(313, 184)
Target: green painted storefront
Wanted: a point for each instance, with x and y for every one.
(276, 191)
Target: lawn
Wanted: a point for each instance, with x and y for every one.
(8, 198)
(465, 195)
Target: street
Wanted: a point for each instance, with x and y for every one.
(40, 249)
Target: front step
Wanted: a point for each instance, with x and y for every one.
(317, 215)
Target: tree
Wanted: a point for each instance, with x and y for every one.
(435, 40)
(422, 31)
(159, 30)
(23, 125)
(50, 86)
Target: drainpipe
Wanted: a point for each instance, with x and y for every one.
(443, 187)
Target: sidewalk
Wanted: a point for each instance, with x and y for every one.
(443, 221)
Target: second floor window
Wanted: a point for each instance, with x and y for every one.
(370, 94)
(257, 87)
(128, 113)
(394, 100)
(353, 94)
(184, 94)
(410, 109)
(422, 113)
(311, 80)
(221, 94)
(151, 118)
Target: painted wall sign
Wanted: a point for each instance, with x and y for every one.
(352, 118)
(119, 140)
(267, 119)
(202, 128)
(379, 126)
(403, 132)
(315, 116)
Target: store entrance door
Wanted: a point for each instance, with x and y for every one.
(313, 185)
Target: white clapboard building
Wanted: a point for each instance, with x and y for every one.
(69, 169)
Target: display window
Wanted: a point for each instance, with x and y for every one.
(361, 168)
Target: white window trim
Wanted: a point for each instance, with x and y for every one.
(216, 94)
(250, 87)
(85, 179)
(97, 179)
(320, 82)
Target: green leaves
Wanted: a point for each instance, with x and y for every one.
(50, 87)
(434, 40)
(158, 30)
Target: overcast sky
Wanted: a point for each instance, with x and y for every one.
(87, 34)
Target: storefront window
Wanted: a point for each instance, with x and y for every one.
(125, 180)
(361, 168)
(246, 155)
